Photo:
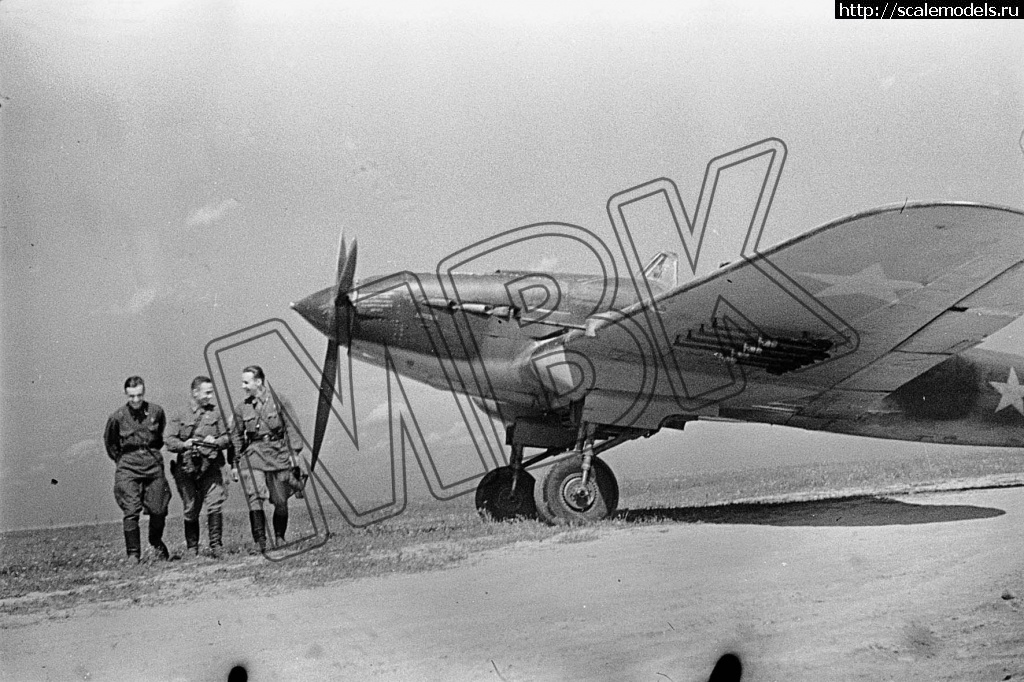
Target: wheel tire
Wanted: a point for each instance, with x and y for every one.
(495, 500)
(564, 500)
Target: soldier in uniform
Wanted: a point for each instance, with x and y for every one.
(198, 437)
(267, 458)
(133, 437)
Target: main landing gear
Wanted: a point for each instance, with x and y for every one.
(572, 494)
(507, 492)
(577, 489)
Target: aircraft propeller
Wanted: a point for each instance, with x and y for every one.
(342, 332)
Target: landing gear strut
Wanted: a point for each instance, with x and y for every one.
(580, 488)
(572, 495)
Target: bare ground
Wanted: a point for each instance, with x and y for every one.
(918, 587)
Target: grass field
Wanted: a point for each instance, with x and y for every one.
(46, 573)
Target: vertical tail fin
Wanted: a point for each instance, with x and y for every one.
(663, 270)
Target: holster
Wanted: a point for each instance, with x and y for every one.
(201, 463)
(191, 463)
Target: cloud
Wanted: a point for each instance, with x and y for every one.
(378, 414)
(456, 435)
(418, 395)
(546, 264)
(141, 299)
(85, 450)
(87, 453)
(210, 213)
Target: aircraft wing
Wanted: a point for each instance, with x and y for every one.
(824, 323)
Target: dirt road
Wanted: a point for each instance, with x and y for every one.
(928, 587)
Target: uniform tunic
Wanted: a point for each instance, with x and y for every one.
(198, 471)
(265, 441)
(261, 434)
(197, 422)
(133, 439)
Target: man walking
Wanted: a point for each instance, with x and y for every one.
(133, 438)
(198, 437)
(267, 450)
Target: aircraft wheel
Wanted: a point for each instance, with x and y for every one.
(566, 500)
(496, 501)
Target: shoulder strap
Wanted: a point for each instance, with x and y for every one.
(196, 418)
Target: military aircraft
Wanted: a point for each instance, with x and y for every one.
(866, 325)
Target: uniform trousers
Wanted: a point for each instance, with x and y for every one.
(197, 489)
(141, 485)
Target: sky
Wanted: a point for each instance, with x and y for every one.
(174, 172)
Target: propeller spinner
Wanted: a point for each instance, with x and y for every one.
(331, 311)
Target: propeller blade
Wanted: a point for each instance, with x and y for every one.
(343, 317)
(346, 275)
(339, 291)
(342, 327)
(323, 406)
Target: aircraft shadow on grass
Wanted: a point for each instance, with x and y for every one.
(867, 510)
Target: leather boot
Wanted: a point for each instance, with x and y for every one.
(132, 540)
(258, 521)
(280, 526)
(215, 523)
(192, 538)
(156, 537)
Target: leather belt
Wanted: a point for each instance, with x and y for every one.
(268, 438)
